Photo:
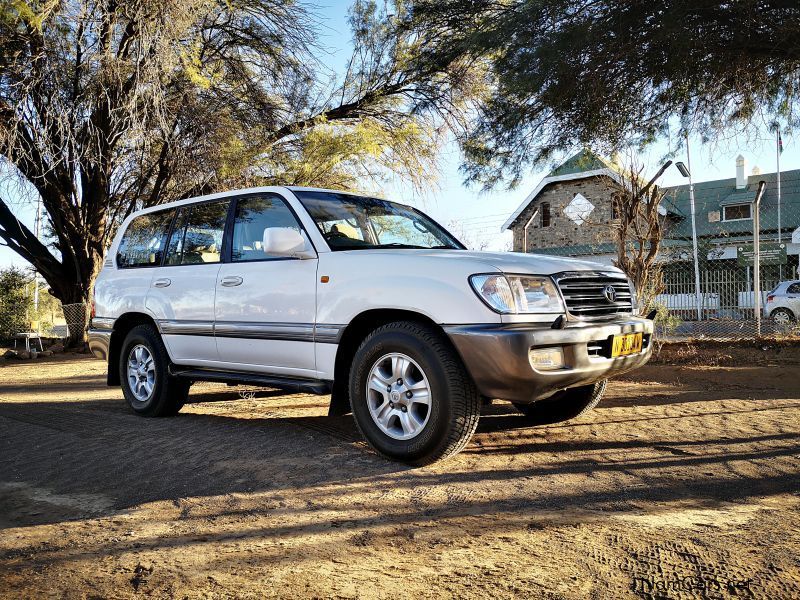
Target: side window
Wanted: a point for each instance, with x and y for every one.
(793, 289)
(142, 244)
(545, 214)
(253, 215)
(197, 235)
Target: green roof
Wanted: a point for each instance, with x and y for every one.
(585, 160)
(711, 196)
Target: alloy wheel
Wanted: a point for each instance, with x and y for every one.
(398, 396)
(141, 373)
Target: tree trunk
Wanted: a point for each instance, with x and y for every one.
(75, 293)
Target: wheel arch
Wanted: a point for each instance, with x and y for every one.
(356, 331)
(123, 324)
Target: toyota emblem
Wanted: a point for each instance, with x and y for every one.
(610, 293)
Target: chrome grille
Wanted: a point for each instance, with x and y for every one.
(585, 297)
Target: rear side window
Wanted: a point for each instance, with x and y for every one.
(793, 289)
(142, 243)
(253, 216)
(197, 235)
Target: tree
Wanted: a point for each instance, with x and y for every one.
(638, 231)
(108, 106)
(609, 74)
(14, 301)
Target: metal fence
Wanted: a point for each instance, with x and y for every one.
(726, 299)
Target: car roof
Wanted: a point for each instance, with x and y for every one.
(243, 191)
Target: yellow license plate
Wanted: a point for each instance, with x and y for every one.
(623, 345)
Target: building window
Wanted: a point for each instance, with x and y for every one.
(736, 212)
(545, 209)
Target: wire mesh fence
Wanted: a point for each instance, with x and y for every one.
(723, 304)
(717, 297)
(74, 317)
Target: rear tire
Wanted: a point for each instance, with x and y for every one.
(441, 413)
(783, 318)
(565, 405)
(144, 375)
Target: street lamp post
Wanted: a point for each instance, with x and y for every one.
(686, 172)
(762, 185)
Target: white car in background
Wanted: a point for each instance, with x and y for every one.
(368, 300)
(783, 303)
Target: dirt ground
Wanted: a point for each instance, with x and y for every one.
(683, 483)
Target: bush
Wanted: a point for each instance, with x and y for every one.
(665, 322)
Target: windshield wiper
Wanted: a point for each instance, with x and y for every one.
(399, 245)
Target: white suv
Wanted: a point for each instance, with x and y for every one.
(368, 300)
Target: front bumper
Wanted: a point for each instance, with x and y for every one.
(496, 356)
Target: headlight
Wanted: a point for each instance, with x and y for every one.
(515, 294)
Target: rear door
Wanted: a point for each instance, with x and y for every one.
(265, 305)
(182, 290)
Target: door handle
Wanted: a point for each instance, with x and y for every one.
(231, 281)
(162, 283)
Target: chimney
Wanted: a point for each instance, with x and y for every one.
(741, 178)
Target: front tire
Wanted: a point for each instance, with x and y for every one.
(411, 396)
(147, 385)
(564, 405)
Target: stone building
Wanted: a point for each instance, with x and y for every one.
(569, 210)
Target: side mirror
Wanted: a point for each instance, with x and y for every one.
(285, 241)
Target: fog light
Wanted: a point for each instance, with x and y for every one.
(546, 359)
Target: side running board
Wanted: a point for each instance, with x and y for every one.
(290, 384)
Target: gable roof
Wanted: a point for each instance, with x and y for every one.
(583, 165)
(582, 162)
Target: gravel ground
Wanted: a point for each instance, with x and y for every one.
(683, 483)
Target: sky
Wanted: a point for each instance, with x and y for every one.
(481, 214)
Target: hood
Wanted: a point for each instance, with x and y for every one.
(516, 262)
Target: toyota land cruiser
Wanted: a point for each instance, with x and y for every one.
(367, 300)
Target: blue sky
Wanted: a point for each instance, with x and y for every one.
(482, 213)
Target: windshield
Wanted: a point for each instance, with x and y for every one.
(355, 222)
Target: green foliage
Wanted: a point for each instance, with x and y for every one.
(15, 302)
(666, 322)
(108, 107)
(17, 306)
(612, 74)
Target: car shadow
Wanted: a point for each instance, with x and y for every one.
(101, 458)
